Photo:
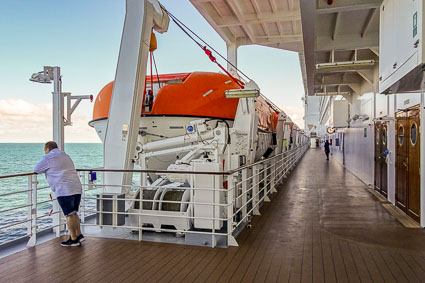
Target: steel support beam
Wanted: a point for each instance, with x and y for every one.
(339, 79)
(262, 18)
(241, 18)
(335, 25)
(308, 15)
(232, 57)
(347, 42)
(206, 13)
(346, 5)
(368, 21)
(266, 40)
(127, 95)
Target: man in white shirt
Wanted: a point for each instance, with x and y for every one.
(64, 182)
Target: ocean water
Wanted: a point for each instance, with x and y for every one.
(21, 158)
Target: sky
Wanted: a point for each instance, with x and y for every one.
(82, 37)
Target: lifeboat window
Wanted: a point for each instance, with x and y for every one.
(384, 136)
(400, 135)
(413, 133)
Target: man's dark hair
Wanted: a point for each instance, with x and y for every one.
(51, 145)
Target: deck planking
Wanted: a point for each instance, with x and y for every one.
(323, 225)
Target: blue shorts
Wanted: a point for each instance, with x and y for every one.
(69, 204)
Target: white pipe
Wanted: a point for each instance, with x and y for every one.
(177, 141)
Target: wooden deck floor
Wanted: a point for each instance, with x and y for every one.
(322, 226)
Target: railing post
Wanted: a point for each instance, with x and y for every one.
(32, 198)
(244, 193)
(141, 210)
(231, 241)
(29, 209)
(282, 166)
(266, 183)
(278, 168)
(58, 221)
(273, 176)
(213, 239)
(143, 183)
(255, 190)
(288, 161)
(292, 158)
(83, 197)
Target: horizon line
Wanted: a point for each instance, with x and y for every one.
(45, 142)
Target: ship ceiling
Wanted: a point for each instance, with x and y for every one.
(272, 23)
(345, 49)
(338, 40)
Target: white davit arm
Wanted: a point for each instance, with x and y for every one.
(126, 103)
(179, 141)
(246, 121)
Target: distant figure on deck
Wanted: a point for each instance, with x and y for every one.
(149, 101)
(327, 149)
(64, 182)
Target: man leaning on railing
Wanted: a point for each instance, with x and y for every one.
(64, 182)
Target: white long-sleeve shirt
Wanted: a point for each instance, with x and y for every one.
(60, 173)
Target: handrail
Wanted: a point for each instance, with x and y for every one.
(154, 171)
(229, 172)
(125, 171)
(17, 175)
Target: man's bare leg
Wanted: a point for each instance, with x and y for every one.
(77, 228)
(70, 220)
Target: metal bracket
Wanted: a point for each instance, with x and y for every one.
(71, 108)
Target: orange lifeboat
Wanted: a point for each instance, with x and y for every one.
(197, 94)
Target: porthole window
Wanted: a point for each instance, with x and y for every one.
(400, 135)
(413, 133)
(384, 136)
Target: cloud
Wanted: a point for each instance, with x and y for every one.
(18, 110)
(296, 114)
(22, 121)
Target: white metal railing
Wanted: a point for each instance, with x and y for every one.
(225, 211)
(25, 217)
(253, 188)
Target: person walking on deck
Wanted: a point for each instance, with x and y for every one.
(64, 182)
(327, 149)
